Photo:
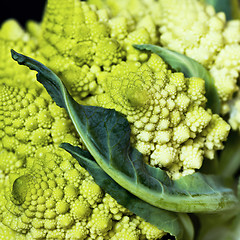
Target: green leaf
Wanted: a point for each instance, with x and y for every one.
(178, 225)
(190, 68)
(106, 134)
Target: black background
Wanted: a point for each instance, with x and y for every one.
(22, 10)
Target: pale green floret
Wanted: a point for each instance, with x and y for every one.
(202, 27)
(9, 162)
(215, 134)
(80, 209)
(139, 36)
(197, 119)
(151, 231)
(91, 191)
(126, 229)
(7, 233)
(114, 208)
(166, 111)
(209, 39)
(201, 34)
(139, 9)
(100, 221)
(78, 231)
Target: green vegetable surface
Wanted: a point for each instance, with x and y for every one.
(106, 133)
(131, 131)
(190, 68)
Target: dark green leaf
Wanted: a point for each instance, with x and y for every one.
(190, 68)
(106, 134)
(178, 225)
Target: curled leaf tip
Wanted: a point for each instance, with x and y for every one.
(16, 56)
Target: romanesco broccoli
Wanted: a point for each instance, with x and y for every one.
(44, 192)
(75, 43)
(209, 39)
(169, 124)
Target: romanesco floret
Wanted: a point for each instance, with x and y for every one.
(201, 34)
(222, 59)
(128, 31)
(72, 40)
(78, 41)
(29, 119)
(169, 123)
(126, 229)
(54, 198)
(139, 9)
(48, 195)
(131, 228)
(202, 29)
(45, 194)
(207, 38)
(115, 209)
(10, 162)
(151, 231)
(100, 222)
(13, 36)
(226, 71)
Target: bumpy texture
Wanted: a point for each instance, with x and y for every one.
(169, 124)
(139, 9)
(201, 34)
(77, 42)
(207, 38)
(54, 198)
(210, 40)
(44, 193)
(30, 119)
(13, 36)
